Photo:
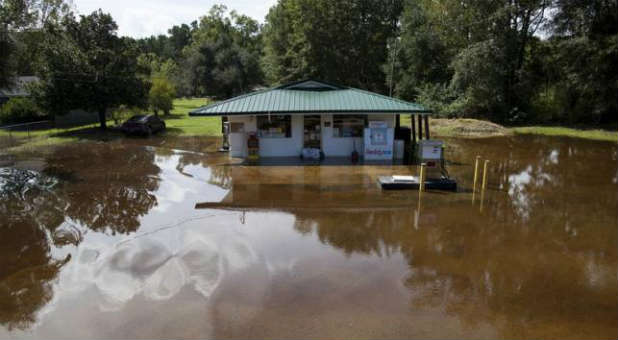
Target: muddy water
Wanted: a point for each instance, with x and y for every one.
(103, 240)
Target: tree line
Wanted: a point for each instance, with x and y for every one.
(510, 61)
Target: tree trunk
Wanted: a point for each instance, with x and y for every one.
(102, 119)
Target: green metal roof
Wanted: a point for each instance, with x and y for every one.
(309, 96)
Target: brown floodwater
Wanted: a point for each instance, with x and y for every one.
(104, 240)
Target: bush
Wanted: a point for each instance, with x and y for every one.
(161, 95)
(19, 110)
(123, 112)
(442, 100)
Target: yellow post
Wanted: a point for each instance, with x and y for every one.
(476, 175)
(484, 185)
(485, 174)
(482, 200)
(476, 172)
(421, 180)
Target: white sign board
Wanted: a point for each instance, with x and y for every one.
(432, 151)
(378, 141)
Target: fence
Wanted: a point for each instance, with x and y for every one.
(16, 135)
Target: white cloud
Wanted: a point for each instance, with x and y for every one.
(142, 18)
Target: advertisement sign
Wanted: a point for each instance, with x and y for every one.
(378, 141)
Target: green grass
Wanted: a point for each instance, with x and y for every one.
(179, 123)
(603, 135)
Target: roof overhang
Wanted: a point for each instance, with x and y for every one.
(274, 113)
(310, 97)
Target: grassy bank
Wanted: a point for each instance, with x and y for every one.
(568, 132)
(474, 128)
(470, 128)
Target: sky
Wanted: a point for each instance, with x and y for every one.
(142, 18)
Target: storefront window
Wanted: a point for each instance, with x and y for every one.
(274, 126)
(348, 125)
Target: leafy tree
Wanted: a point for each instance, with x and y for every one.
(583, 60)
(420, 57)
(89, 67)
(22, 29)
(476, 54)
(179, 37)
(338, 41)
(223, 58)
(161, 95)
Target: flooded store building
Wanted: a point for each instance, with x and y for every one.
(314, 119)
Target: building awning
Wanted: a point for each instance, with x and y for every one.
(307, 97)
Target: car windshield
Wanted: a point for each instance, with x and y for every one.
(138, 118)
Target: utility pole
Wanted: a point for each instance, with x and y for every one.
(393, 56)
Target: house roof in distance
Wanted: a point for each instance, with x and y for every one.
(309, 96)
(19, 88)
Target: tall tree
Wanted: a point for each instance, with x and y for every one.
(179, 37)
(339, 41)
(89, 67)
(584, 60)
(223, 58)
(472, 53)
(22, 30)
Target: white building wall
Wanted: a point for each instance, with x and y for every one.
(292, 146)
(238, 140)
(284, 147)
(343, 146)
(269, 147)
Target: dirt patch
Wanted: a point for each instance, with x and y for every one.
(466, 128)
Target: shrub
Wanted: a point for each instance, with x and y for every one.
(19, 110)
(161, 95)
(122, 113)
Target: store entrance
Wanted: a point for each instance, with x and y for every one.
(312, 132)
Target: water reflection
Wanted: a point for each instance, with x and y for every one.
(79, 189)
(27, 266)
(110, 186)
(108, 236)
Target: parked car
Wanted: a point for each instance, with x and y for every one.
(143, 125)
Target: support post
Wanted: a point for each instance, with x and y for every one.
(420, 128)
(485, 175)
(421, 180)
(397, 122)
(413, 129)
(426, 126)
(476, 171)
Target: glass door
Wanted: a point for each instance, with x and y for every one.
(312, 132)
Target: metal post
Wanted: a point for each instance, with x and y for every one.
(420, 128)
(484, 184)
(476, 172)
(482, 200)
(421, 180)
(426, 126)
(413, 129)
(485, 174)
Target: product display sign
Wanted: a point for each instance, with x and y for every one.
(378, 141)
